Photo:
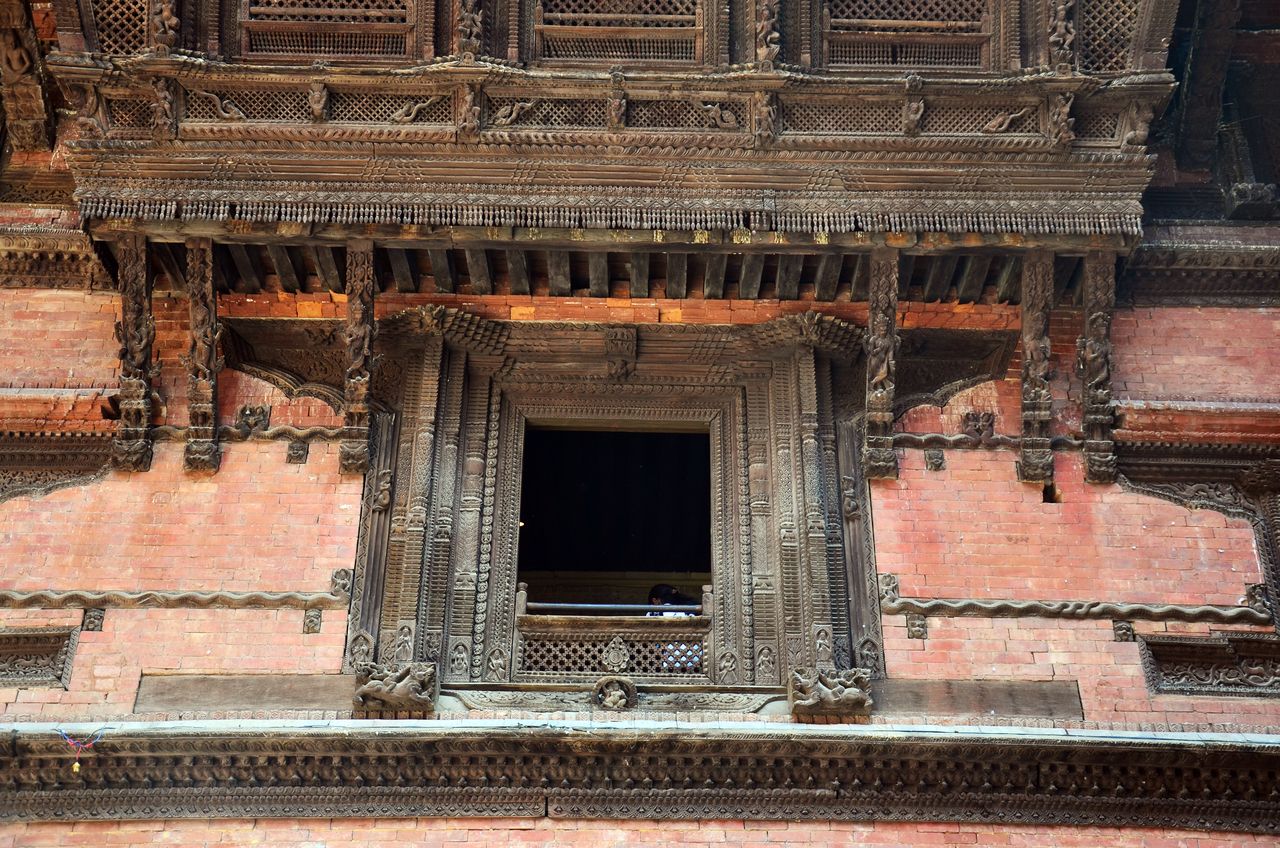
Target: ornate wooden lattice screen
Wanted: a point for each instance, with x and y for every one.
(121, 25)
(1105, 30)
(350, 29)
(662, 31)
(907, 33)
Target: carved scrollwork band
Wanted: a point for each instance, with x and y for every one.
(891, 603)
(337, 597)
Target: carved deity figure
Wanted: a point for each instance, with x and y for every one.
(912, 116)
(164, 27)
(768, 40)
(15, 60)
(617, 111)
(470, 28)
(830, 691)
(1062, 32)
(1061, 124)
(764, 117)
(470, 123)
(318, 101)
(409, 687)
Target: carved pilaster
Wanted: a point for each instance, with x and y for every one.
(353, 456)
(202, 360)
(25, 105)
(878, 456)
(136, 331)
(1037, 300)
(1094, 365)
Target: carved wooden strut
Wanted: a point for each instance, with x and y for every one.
(202, 361)
(878, 455)
(135, 331)
(353, 456)
(1036, 464)
(1094, 364)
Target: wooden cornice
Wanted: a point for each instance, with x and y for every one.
(644, 770)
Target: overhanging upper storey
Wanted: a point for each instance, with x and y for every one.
(784, 115)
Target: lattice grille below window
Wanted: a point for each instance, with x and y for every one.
(843, 117)
(269, 106)
(121, 26)
(619, 30)
(1104, 33)
(907, 33)
(349, 29)
(647, 655)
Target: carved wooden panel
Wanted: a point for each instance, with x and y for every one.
(36, 657)
(1246, 664)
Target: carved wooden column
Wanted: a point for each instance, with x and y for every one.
(353, 456)
(136, 331)
(1094, 364)
(1037, 300)
(878, 456)
(202, 360)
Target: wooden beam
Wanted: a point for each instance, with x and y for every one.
(163, 254)
(224, 272)
(827, 279)
(442, 270)
(938, 281)
(479, 270)
(789, 267)
(906, 267)
(558, 276)
(1065, 269)
(1009, 281)
(973, 274)
(861, 276)
(677, 274)
(326, 267)
(713, 283)
(598, 268)
(752, 271)
(518, 271)
(639, 273)
(402, 270)
(247, 268)
(286, 272)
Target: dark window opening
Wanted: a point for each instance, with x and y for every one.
(606, 515)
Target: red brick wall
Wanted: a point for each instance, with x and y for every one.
(548, 833)
(259, 523)
(58, 339)
(1199, 353)
(973, 531)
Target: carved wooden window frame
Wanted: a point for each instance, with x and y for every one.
(436, 563)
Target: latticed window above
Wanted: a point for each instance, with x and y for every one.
(598, 31)
(907, 33)
(349, 29)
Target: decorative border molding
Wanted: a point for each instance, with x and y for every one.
(557, 770)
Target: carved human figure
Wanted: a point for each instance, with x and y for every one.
(318, 101)
(768, 40)
(15, 60)
(164, 26)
